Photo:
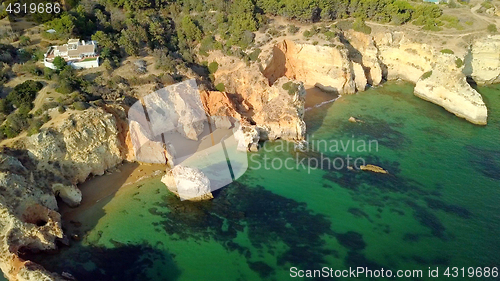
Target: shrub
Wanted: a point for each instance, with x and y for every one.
(447, 51)
(61, 109)
(459, 62)
(492, 28)
(292, 29)
(255, 54)
(80, 105)
(24, 41)
(5, 106)
(360, 26)
(487, 5)
(291, 87)
(24, 94)
(35, 126)
(426, 75)
(212, 67)
(59, 63)
(220, 87)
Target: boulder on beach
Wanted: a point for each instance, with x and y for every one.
(188, 183)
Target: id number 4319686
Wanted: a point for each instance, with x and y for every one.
(32, 8)
(476, 272)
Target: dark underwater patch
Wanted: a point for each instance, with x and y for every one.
(374, 128)
(351, 240)
(262, 268)
(268, 217)
(126, 262)
(485, 161)
(359, 213)
(453, 209)
(428, 219)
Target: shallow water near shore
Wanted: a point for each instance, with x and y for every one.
(437, 207)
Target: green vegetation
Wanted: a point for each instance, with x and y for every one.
(24, 41)
(426, 75)
(487, 5)
(459, 62)
(447, 51)
(24, 94)
(59, 63)
(292, 29)
(212, 67)
(291, 87)
(452, 22)
(359, 25)
(492, 28)
(220, 87)
(80, 105)
(254, 56)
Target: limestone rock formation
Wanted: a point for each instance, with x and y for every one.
(67, 151)
(27, 220)
(171, 112)
(282, 111)
(269, 111)
(248, 137)
(447, 87)
(362, 51)
(402, 58)
(323, 66)
(485, 60)
(188, 183)
(69, 194)
(77, 144)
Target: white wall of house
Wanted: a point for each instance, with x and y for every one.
(49, 64)
(85, 64)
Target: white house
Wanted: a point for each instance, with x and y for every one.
(78, 54)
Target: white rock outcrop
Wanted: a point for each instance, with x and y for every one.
(188, 183)
(485, 60)
(248, 137)
(69, 194)
(447, 86)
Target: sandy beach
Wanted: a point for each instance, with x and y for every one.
(316, 96)
(101, 189)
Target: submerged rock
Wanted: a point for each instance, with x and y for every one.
(373, 168)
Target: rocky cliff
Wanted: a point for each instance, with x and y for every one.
(354, 61)
(484, 60)
(267, 111)
(447, 87)
(323, 66)
(69, 149)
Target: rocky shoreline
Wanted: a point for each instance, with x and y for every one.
(268, 97)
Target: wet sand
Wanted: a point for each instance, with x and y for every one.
(315, 96)
(101, 189)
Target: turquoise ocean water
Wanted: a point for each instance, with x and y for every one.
(437, 207)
